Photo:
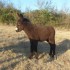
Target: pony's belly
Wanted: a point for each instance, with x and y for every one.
(43, 38)
(34, 37)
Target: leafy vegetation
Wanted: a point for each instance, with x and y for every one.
(43, 16)
(7, 14)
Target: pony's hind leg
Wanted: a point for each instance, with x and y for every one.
(50, 53)
(52, 50)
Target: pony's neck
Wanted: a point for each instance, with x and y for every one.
(28, 27)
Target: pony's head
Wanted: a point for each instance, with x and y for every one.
(21, 22)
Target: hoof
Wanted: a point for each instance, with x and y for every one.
(36, 55)
(31, 56)
(53, 57)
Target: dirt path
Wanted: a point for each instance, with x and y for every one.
(15, 49)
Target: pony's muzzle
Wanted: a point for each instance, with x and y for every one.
(16, 29)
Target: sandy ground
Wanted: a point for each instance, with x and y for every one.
(15, 49)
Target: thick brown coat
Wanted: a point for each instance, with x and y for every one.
(39, 32)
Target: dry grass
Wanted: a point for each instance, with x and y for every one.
(14, 51)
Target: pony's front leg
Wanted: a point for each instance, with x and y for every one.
(33, 47)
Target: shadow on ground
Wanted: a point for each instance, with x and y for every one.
(62, 47)
(24, 49)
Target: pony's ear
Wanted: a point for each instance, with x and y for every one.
(20, 15)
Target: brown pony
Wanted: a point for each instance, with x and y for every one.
(37, 33)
